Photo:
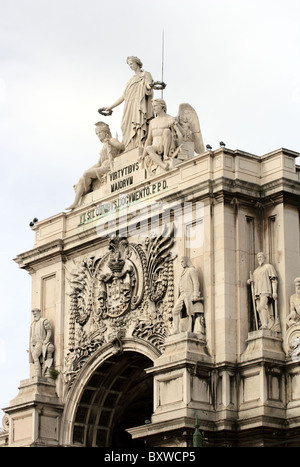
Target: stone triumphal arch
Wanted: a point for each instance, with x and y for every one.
(168, 291)
(112, 394)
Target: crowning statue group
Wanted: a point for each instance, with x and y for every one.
(145, 124)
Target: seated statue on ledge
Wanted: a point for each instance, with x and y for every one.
(164, 138)
(110, 149)
(167, 136)
(294, 316)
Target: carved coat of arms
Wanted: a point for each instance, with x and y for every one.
(117, 280)
(127, 291)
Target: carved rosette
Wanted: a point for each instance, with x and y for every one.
(127, 292)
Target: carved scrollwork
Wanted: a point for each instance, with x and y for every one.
(292, 342)
(82, 291)
(158, 254)
(5, 423)
(126, 292)
(153, 332)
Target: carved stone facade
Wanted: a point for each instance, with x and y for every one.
(162, 307)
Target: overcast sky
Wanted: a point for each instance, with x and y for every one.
(237, 62)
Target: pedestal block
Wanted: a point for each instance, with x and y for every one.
(34, 414)
(263, 343)
(262, 381)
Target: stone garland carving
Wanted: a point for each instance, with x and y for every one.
(127, 292)
(263, 284)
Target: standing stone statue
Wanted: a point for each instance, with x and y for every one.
(110, 149)
(294, 316)
(164, 137)
(138, 111)
(189, 294)
(263, 283)
(41, 348)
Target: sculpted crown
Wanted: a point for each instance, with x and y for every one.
(116, 263)
(118, 247)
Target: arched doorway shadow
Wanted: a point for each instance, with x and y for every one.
(118, 395)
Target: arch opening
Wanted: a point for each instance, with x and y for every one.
(117, 396)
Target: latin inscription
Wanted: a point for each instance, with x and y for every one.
(123, 200)
(125, 175)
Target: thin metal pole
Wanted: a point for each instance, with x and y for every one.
(162, 60)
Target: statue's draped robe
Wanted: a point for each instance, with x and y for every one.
(137, 110)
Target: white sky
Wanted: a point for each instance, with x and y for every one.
(237, 62)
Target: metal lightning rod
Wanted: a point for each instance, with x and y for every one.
(160, 85)
(162, 61)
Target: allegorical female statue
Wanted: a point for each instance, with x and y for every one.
(138, 110)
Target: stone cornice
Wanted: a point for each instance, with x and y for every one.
(223, 175)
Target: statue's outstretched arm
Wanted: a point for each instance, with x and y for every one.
(118, 102)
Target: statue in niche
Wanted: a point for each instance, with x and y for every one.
(264, 283)
(110, 149)
(294, 316)
(189, 300)
(137, 105)
(167, 134)
(41, 347)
